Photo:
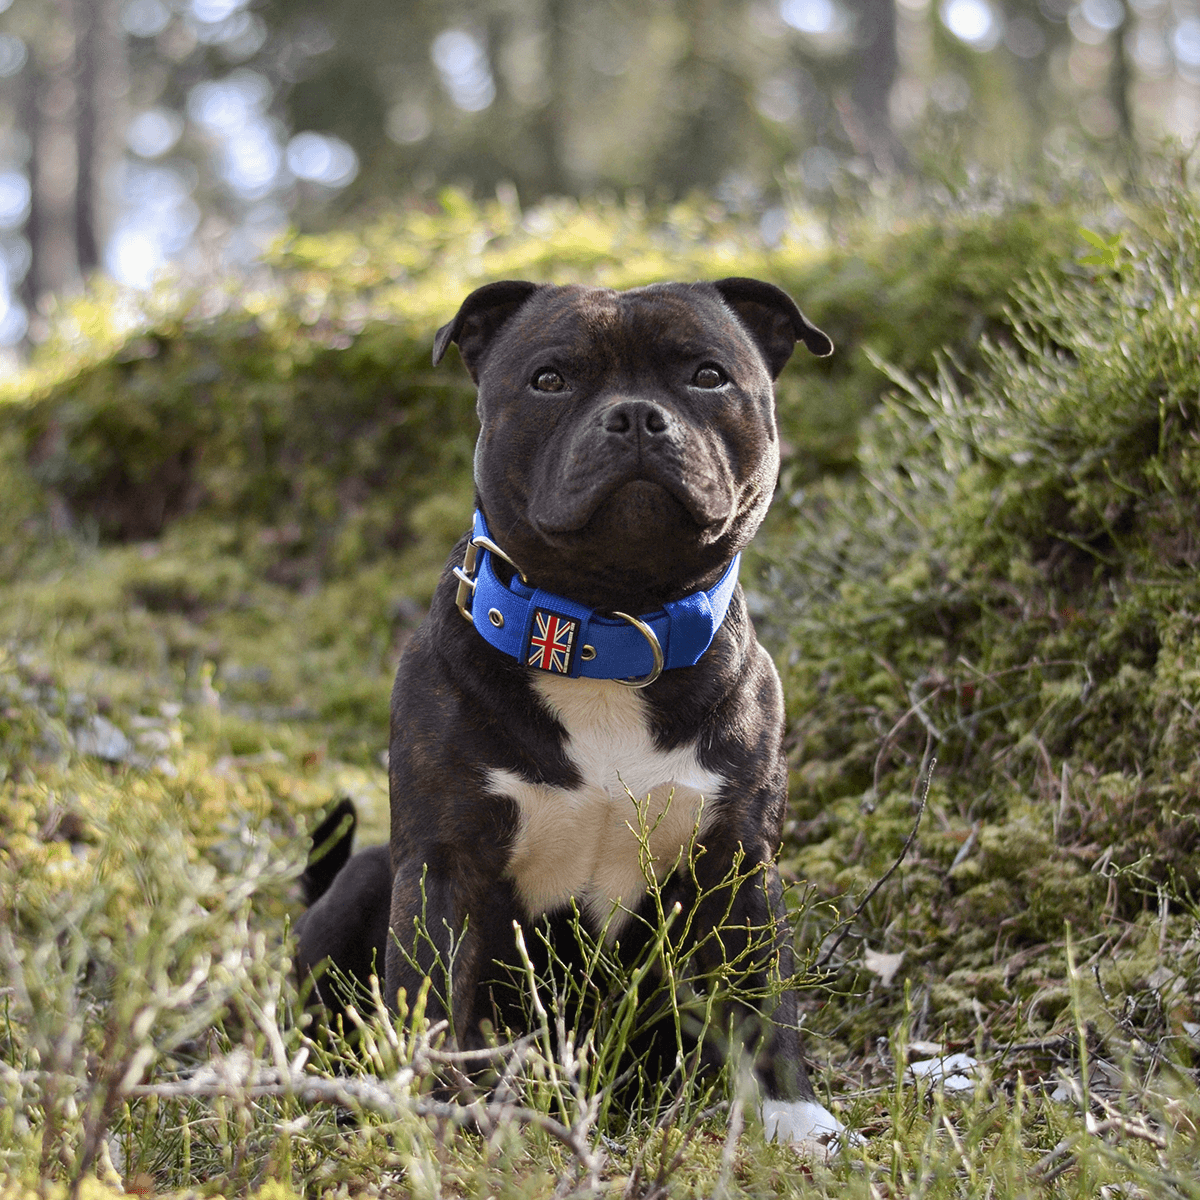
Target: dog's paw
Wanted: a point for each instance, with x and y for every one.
(803, 1123)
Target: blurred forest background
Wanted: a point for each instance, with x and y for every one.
(141, 134)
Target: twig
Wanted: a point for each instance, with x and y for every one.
(488, 1118)
(378, 1098)
(1057, 1042)
(482, 1055)
(1049, 1168)
(1046, 1171)
(889, 872)
(737, 1120)
(360, 1094)
(659, 1187)
(969, 845)
(932, 733)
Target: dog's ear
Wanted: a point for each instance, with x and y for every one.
(773, 320)
(479, 320)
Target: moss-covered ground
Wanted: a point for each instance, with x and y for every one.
(221, 515)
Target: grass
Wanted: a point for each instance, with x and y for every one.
(151, 1038)
(1005, 583)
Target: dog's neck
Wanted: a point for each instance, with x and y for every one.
(559, 635)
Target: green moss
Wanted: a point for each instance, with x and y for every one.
(1010, 585)
(1007, 850)
(304, 413)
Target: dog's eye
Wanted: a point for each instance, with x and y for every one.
(709, 376)
(548, 380)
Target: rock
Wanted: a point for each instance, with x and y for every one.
(100, 738)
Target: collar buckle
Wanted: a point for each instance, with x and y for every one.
(470, 568)
(466, 581)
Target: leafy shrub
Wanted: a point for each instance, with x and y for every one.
(1011, 586)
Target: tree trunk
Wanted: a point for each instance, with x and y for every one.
(88, 15)
(53, 168)
(869, 124)
(547, 128)
(29, 119)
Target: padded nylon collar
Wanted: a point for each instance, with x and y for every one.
(556, 634)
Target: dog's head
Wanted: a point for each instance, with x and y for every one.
(628, 446)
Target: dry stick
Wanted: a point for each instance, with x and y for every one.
(666, 1171)
(912, 837)
(1046, 1171)
(364, 1094)
(350, 1093)
(932, 734)
(737, 1116)
(1057, 1042)
(450, 1058)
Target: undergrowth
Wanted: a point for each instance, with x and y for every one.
(1011, 585)
(220, 526)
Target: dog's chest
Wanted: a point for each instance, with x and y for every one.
(589, 842)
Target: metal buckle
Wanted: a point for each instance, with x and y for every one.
(470, 566)
(466, 580)
(655, 649)
(487, 544)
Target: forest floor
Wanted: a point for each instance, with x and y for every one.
(988, 632)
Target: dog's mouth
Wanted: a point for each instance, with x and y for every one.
(640, 510)
(632, 547)
(635, 505)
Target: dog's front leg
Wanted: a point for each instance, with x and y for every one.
(742, 936)
(436, 935)
(751, 936)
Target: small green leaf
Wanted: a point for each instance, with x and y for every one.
(1108, 248)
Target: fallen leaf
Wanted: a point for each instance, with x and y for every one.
(949, 1071)
(883, 965)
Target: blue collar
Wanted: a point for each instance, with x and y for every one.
(558, 635)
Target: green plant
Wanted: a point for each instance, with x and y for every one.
(1012, 581)
(1000, 572)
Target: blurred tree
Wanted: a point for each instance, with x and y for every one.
(736, 95)
(137, 133)
(86, 17)
(873, 76)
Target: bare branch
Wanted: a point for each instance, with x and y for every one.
(912, 837)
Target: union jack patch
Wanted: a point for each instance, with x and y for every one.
(552, 638)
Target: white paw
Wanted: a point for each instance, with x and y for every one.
(802, 1122)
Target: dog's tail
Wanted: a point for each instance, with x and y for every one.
(331, 842)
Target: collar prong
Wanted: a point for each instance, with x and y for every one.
(486, 542)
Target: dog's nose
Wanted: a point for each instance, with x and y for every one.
(635, 416)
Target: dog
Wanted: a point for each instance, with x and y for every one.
(588, 652)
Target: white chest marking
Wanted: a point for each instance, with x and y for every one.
(584, 841)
